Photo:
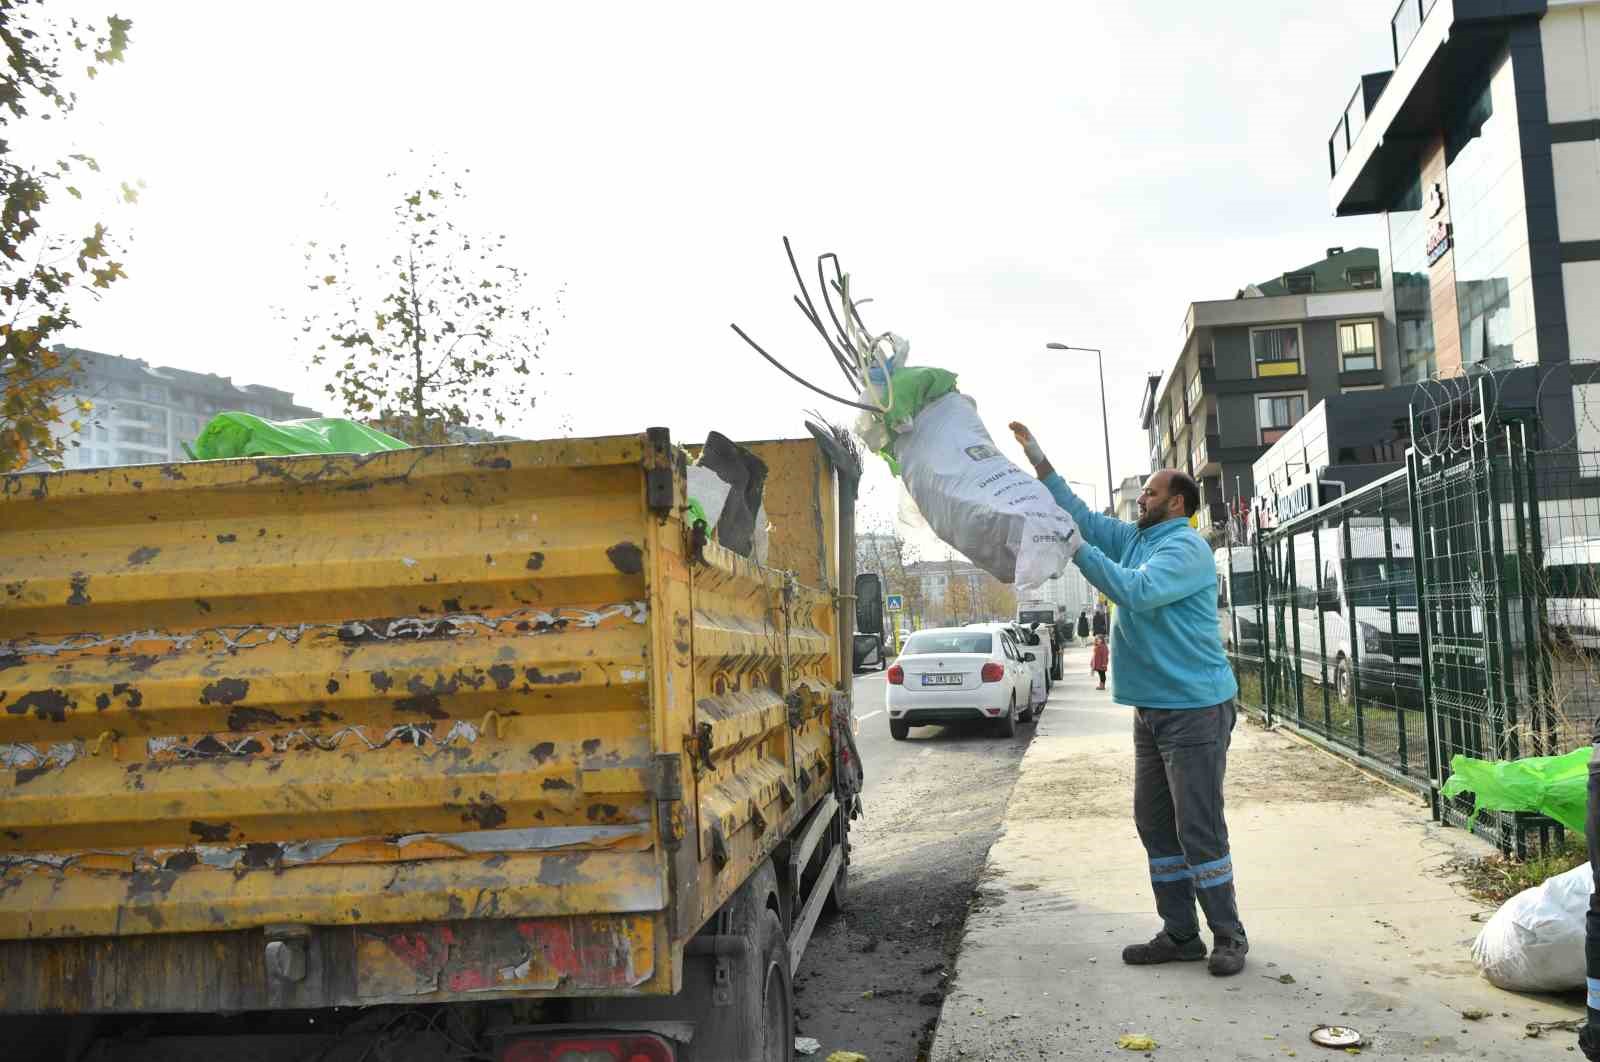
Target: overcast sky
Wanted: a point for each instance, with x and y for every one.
(997, 176)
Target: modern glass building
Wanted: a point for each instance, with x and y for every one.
(1481, 149)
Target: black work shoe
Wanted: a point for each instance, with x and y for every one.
(1227, 956)
(1164, 949)
(1589, 1037)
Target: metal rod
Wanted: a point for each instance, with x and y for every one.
(1317, 582)
(1353, 665)
(803, 383)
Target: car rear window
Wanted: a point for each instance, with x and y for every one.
(954, 642)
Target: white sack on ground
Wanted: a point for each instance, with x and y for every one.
(1534, 943)
(998, 516)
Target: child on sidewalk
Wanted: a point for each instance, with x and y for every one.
(1101, 660)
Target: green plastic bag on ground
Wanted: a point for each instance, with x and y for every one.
(1554, 786)
(244, 435)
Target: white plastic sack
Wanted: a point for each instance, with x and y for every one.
(998, 516)
(1534, 943)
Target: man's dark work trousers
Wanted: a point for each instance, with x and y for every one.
(1180, 757)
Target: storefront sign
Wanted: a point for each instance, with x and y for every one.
(1438, 241)
(1439, 232)
(1292, 503)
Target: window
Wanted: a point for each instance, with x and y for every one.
(140, 435)
(1195, 392)
(1358, 346)
(1276, 414)
(1362, 278)
(145, 414)
(1300, 283)
(155, 393)
(1360, 387)
(1276, 350)
(953, 642)
(101, 434)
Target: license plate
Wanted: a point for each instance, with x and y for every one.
(941, 680)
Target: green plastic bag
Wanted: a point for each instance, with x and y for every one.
(916, 389)
(244, 435)
(1554, 786)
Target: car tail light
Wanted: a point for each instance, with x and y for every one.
(630, 1048)
(897, 676)
(993, 672)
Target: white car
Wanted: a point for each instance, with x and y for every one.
(1033, 643)
(956, 674)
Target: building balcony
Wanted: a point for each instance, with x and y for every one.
(1203, 457)
(1352, 119)
(1406, 24)
(1393, 117)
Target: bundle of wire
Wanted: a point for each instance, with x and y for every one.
(971, 496)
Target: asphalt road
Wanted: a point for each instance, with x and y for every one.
(872, 980)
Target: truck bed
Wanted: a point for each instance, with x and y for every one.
(433, 725)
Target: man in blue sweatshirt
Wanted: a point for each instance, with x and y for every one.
(1167, 664)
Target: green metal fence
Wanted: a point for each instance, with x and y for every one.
(1323, 623)
(1450, 608)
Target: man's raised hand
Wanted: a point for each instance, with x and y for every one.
(1030, 445)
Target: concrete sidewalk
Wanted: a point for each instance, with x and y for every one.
(1353, 917)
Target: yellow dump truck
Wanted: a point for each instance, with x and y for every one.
(484, 743)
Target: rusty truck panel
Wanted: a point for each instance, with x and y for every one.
(431, 725)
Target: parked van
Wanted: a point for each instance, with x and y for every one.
(1238, 601)
(1572, 588)
(1356, 583)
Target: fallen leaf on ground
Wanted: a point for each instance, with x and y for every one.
(847, 1056)
(1136, 1042)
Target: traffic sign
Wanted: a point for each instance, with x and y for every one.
(895, 603)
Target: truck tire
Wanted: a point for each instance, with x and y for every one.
(757, 1022)
(838, 892)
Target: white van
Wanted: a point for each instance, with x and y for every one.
(1238, 601)
(1572, 589)
(1390, 649)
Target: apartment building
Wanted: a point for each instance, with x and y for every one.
(144, 414)
(1250, 367)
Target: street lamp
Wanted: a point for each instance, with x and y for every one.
(1105, 424)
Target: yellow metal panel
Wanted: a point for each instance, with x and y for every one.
(1277, 368)
(765, 660)
(398, 688)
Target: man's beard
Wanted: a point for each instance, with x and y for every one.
(1150, 518)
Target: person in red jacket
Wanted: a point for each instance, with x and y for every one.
(1101, 660)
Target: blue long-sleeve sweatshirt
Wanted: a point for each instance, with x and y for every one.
(1166, 645)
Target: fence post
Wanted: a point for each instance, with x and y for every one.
(1394, 634)
(1322, 625)
(1263, 582)
(1421, 549)
(1294, 611)
(1545, 672)
(1354, 663)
